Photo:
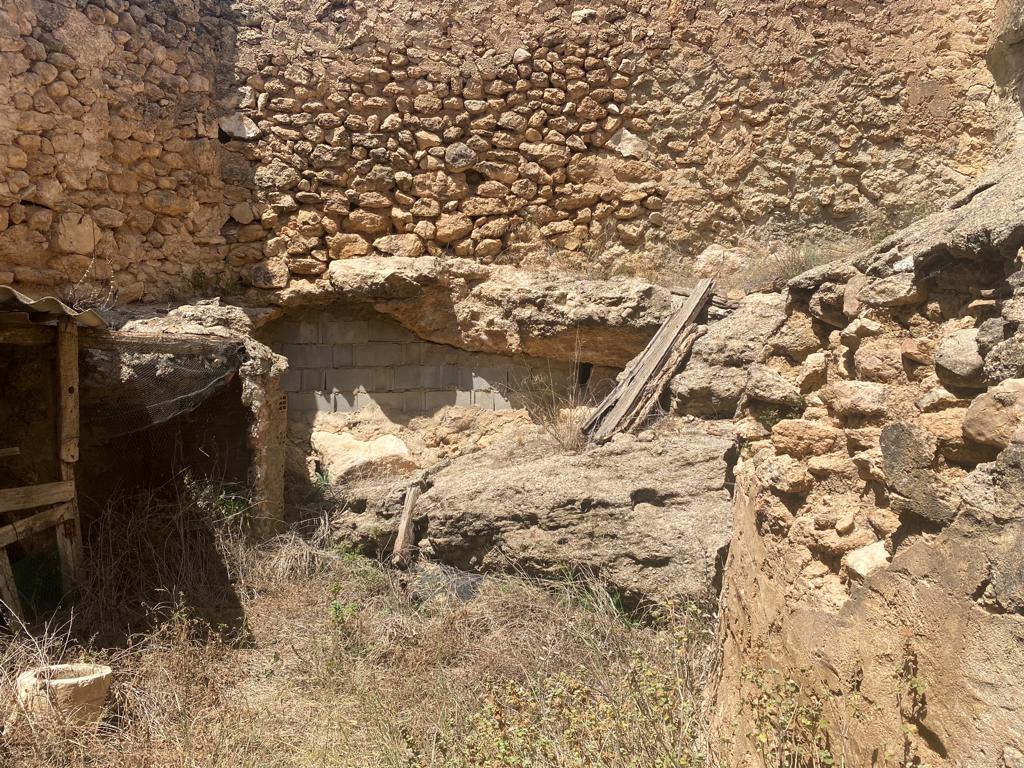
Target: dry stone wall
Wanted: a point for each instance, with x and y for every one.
(158, 149)
(112, 186)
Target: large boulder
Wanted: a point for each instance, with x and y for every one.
(997, 417)
(650, 519)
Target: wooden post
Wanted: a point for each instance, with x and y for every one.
(69, 532)
(402, 554)
(8, 589)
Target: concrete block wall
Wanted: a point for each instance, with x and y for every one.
(343, 364)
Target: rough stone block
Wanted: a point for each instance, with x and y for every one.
(344, 355)
(378, 353)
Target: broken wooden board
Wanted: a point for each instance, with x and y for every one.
(640, 387)
(402, 554)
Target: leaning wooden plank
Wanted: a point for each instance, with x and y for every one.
(631, 393)
(8, 589)
(37, 523)
(69, 533)
(29, 496)
(653, 392)
(402, 555)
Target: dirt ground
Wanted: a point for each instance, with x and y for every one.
(299, 653)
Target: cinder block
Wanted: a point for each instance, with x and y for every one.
(456, 377)
(298, 332)
(312, 379)
(344, 355)
(412, 402)
(436, 400)
(335, 331)
(291, 380)
(439, 354)
(389, 402)
(430, 377)
(501, 402)
(382, 380)
(464, 398)
(388, 330)
(306, 402)
(484, 400)
(309, 355)
(412, 353)
(407, 377)
(344, 402)
(348, 379)
(489, 379)
(378, 353)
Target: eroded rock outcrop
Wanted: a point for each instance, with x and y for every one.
(876, 536)
(649, 518)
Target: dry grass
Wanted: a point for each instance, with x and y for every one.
(336, 665)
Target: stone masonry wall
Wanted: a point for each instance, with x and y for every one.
(159, 149)
(340, 363)
(112, 183)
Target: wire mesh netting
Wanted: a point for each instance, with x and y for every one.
(127, 390)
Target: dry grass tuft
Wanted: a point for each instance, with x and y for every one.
(344, 662)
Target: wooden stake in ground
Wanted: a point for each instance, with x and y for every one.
(69, 531)
(402, 555)
(647, 375)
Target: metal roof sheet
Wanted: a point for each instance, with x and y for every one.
(14, 301)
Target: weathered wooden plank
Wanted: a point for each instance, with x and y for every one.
(12, 451)
(620, 408)
(8, 589)
(27, 334)
(69, 533)
(37, 523)
(402, 555)
(29, 496)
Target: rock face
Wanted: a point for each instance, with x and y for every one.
(649, 518)
(880, 527)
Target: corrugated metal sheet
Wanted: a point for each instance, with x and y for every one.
(13, 301)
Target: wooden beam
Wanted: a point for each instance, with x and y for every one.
(8, 589)
(402, 555)
(27, 334)
(29, 496)
(37, 523)
(12, 451)
(644, 379)
(69, 533)
(119, 341)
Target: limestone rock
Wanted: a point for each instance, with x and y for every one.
(855, 398)
(239, 126)
(459, 157)
(75, 233)
(348, 246)
(343, 455)
(861, 563)
(898, 290)
(768, 386)
(403, 246)
(452, 227)
(628, 144)
(800, 438)
(908, 456)
(958, 361)
(650, 519)
(996, 417)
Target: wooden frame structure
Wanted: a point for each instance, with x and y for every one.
(52, 505)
